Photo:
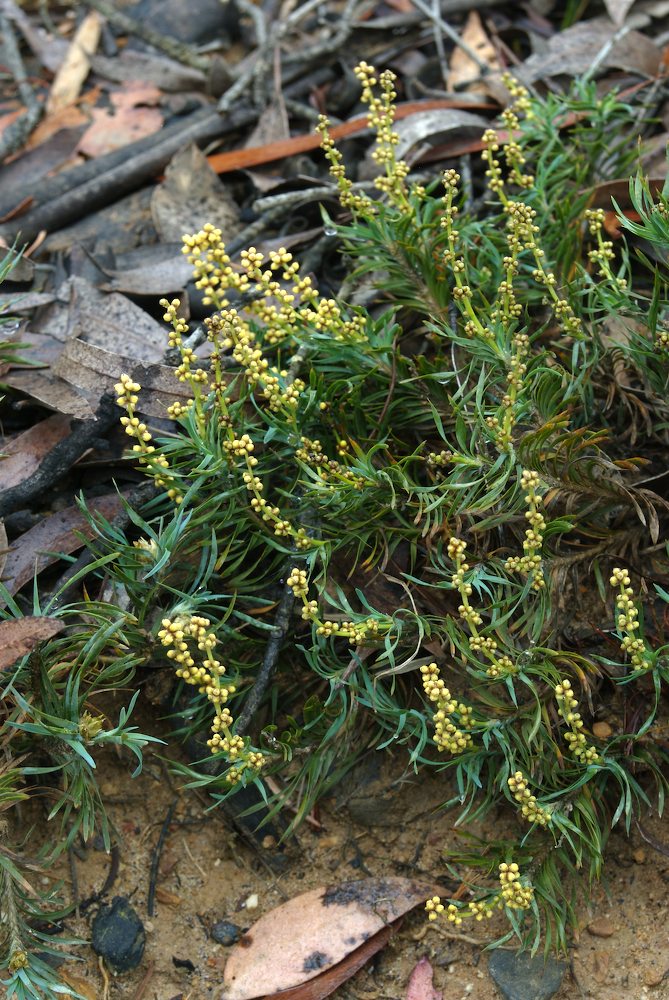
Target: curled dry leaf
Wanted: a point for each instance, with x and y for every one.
(462, 69)
(437, 126)
(313, 934)
(19, 636)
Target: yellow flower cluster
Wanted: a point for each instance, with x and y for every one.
(381, 117)
(513, 154)
(178, 636)
(355, 632)
(447, 735)
(500, 665)
(531, 810)
(530, 562)
(512, 893)
(521, 229)
(127, 398)
(359, 204)
(578, 744)
(628, 622)
(603, 253)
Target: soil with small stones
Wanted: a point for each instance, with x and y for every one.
(376, 824)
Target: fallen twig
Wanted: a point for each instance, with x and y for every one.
(18, 131)
(170, 46)
(155, 858)
(268, 666)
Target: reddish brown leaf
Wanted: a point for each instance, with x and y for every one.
(131, 120)
(23, 454)
(420, 984)
(19, 635)
(313, 934)
(36, 549)
(237, 159)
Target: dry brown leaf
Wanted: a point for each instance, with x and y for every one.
(68, 117)
(168, 898)
(59, 532)
(618, 10)
(462, 69)
(191, 195)
(313, 933)
(420, 984)
(19, 636)
(571, 52)
(22, 455)
(161, 277)
(95, 371)
(51, 391)
(133, 118)
(114, 323)
(70, 77)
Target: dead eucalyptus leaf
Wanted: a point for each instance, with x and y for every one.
(618, 10)
(19, 636)
(133, 117)
(22, 455)
(58, 533)
(95, 371)
(314, 932)
(191, 195)
(51, 391)
(571, 52)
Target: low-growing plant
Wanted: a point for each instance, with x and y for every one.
(447, 483)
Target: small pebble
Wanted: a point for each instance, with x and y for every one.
(602, 730)
(603, 927)
(252, 902)
(225, 932)
(268, 842)
(518, 976)
(654, 977)
(639, 855)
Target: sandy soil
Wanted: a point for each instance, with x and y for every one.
(374, 826)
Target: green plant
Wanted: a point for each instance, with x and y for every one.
(423, 477)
